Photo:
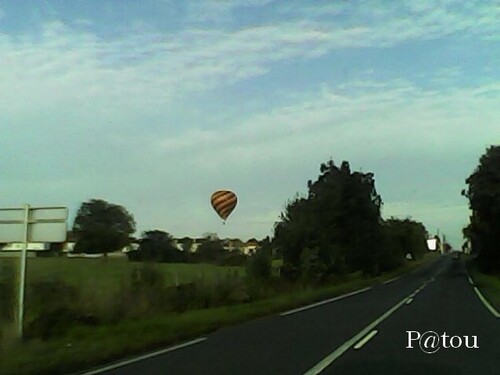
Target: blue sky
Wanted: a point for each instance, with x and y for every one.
(154, 105)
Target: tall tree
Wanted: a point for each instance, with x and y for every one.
(483, 193)
(339, 222)
(102, 227)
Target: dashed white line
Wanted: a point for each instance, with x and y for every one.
(409, 300)
(324, 302)
(367, 338)
(391, 280)
(142, 357)
(471, 282)
(327, 361)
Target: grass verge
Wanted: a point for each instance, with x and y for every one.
(84, 347)
(489, 285)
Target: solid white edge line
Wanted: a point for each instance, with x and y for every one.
(327, 361)
(391, 280)
(470, 280)
(142, 357)
(367, 338)
(485, 302)
(409, 300)
(299, 309)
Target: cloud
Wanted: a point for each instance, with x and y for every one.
(218, 12)
(162, 66)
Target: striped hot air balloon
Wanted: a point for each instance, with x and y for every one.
(224, 202)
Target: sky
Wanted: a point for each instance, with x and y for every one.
(154, 105)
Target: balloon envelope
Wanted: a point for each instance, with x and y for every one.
(224, 202)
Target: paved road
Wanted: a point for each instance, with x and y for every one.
(322, 339)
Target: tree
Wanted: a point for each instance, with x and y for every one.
(158, 246)
(102, 227)
(210, 251)
(483, 193)
(400, 238)
(338, 221)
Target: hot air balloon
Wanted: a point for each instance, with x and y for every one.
(224, 202)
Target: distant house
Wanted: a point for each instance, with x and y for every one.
(69, 245)
(132, 246)
(211, 236)
(197, 243)
(35, 249)
(193, 244)
(184, 243)
(232, 244)
(250, 247)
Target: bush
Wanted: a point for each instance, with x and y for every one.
(233, 258)
(259, 266)
(134, 256)
(7, 292)
(56, 322)
(146, 293)
(51, 308)
(312, 269)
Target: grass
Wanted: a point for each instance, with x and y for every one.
(105, 277)
(84, 347)
(489, 285)
(98, 281)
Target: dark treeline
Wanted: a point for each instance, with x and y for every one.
(337, 228)
(483, 193)
(158, 246)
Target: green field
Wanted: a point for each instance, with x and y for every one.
(108, 274)
(97, 283)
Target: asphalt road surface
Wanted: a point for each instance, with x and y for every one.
(364, 333)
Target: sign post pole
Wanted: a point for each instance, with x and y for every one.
(23, 226)
(22, 276)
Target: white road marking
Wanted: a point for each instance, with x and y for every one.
(328, 360)
(419, 289)
(299, 309)
(367, 338)
(391, 280)
(470, 280)
(142, 357)
(409, 300)
(485, 302)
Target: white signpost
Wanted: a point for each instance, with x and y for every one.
(31, 224)
(432, 244)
